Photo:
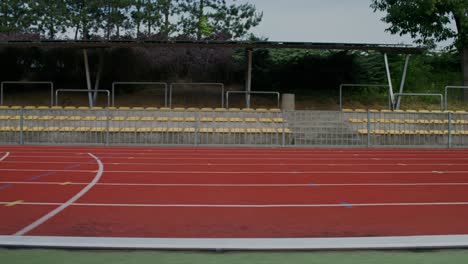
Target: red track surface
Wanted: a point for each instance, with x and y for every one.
(219, 192)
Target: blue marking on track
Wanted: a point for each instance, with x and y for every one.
(5, 186)
(347, 205)
(313, 184)
(72, 167)
(42, 175)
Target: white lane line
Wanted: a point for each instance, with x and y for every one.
(5, 156)
(242, 172)
(242, 185)
(247, 205)
(240, 164)
(256, 158)
(57, 210)
(83, 151)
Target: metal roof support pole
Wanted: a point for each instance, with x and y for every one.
(98, 76)
(88, 77)
(403, 80)
(248, 82)
(389, 78)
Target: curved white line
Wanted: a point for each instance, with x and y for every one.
(5, 156)
(57, 210)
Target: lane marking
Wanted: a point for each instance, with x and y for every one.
(242, 184)
(164, 157)
(11, 204)
(243, 164)
(5, 156)
(243, 172)
(57, 210)
(249, 205)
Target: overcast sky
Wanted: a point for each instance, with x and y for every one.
(323, 21)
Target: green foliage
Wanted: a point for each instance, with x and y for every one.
(15, 16)
(50, 17)
(115, 19)
(202, 19)
(427, 20)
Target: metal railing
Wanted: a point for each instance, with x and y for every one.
(173, 85)
(446, 93)
(363, 86)
(252, 92)
(114, 84)
(398, 95)
(248, 128)
(82, 91)
(51, 87)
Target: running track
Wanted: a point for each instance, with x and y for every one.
(232, 193)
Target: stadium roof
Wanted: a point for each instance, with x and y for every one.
(388, 48)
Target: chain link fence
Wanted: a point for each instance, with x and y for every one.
(153, 126)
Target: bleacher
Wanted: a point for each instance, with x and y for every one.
(152, 125)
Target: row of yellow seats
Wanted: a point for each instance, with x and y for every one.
(413, 132)
(146, 130)
(124, 108)
(407, 121)
(402, 111)
(137, 118)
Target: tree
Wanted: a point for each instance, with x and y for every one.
(114, 16)
(429, 21)
(204, 18)
(237, 20)
(84, 16)
(50, 17)
(15, 16)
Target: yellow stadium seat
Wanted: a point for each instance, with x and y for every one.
(144, 129)
(222, 130)
(124, 108)
(151, 108)
(177, 119)
(82, 129)
(237, 130)
(206, 130)
(147, 118)
(175, 129)
(235, 119)
(128, 129)
(158, 129)
(251, 120)
(254, 130)
(206, 119)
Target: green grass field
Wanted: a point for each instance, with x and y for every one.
(12, 256)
